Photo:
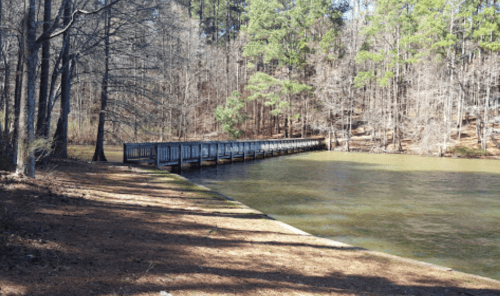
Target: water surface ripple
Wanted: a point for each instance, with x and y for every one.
(442, 211)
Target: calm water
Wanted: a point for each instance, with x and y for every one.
(442, 211)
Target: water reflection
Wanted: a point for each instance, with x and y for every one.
(444, 211)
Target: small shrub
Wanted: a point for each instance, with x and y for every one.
(5, 163)
(469, 152)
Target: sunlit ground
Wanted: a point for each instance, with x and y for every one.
(85, 152)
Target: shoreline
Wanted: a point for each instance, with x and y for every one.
(136, 230)
(338, 244)
(433, 155)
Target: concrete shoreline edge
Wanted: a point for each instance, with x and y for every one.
(337, 244)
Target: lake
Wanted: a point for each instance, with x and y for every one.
(438, 210)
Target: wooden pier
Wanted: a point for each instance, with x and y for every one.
(178, 153)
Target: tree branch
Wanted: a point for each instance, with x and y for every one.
(50, 35)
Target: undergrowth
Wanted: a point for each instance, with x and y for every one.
(469, 152)
(5, 163)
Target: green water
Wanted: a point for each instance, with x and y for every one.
(442, 211)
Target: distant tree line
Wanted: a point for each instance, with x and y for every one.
(157, 70)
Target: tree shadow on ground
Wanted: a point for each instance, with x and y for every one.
(57, 242)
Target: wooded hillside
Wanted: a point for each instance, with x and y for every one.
(392, 71)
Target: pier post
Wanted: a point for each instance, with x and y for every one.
(158, 155)
(124, 153)
(244, 152)
(232, 152)
(201, 154)
(217, 155)
(181, 152)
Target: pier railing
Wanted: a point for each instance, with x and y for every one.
(177, 153)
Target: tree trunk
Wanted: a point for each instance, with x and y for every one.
(486, 106)
(449, 98)
(262, 117)
(201, 15)
(216, 22)
(99, 146)
(26, 161)
(44, 72)
(17, 103)
(60, 146)
(228, 38)
(5, 95)
(4, 86)
(51, 100)
(7, 106)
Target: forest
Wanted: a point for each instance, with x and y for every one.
(390, 72)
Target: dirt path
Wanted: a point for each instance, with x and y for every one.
(95, 229)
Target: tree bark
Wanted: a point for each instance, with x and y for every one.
(60, 145)
(99, 147)
(44, 73)
(5, 94)
(7, 106)
(26, 161)
(17, 102)
(51, 100)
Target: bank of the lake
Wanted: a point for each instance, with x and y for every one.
(438, 210)
(85, 228)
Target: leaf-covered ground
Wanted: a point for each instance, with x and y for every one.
(94, 229)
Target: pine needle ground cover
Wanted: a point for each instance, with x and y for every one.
(97, 229)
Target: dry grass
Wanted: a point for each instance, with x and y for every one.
(86, 152)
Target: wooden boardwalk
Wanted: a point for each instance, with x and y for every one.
(178, 153)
